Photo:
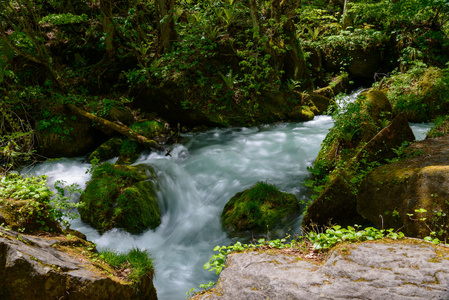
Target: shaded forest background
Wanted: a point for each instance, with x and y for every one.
(66, 66)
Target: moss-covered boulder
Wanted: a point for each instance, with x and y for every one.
(410, 195)
(120, 196)
(338, 201)
(337, 85)
(377, 105)
(362, 120)
(336, 205)
(73, 137)
(64, 267)
(259, 208)
(422, 92)
(157, 130)
(318, 103)
(107, 150)
(301, 114)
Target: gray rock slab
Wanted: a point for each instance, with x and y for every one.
(373, 270)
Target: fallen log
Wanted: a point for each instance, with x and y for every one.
(122, 129)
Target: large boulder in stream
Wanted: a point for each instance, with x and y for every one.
(408, 269)
(121, 196)
(61, 267)
(412, 194)
(260, 208)
(338, 202)
(371, 111)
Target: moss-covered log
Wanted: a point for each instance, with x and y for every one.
(122, 129)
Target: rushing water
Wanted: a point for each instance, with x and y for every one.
(196, 181)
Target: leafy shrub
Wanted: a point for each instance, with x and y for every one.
(440, 127)
(29, 205)
(337, 234)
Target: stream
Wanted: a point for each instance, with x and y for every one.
(196, 181)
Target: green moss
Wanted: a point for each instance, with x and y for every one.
(129, 152)
(107, 150)
(422, 92)
(147, 128)
(120, 196)
(355, 125)
(259, 207)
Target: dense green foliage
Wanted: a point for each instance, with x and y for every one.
(237, 62)
(440, 127)
(28, 205)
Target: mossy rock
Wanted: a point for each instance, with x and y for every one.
(129, 152)
(120, 196)
(377, 105)
(301, 114)
(259, 208)
(338, 202)
(422, 93)
(337, 85)
(373, 111)
(74, 137)
(148, 128)
(319, 102)
(121, 114)
(418, 185)
(28, 216)
(107, 150)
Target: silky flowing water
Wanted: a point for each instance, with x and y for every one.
(203, 172)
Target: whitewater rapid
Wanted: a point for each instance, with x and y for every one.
(203, 172)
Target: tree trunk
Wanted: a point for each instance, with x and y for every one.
(108, 27)
(291, 59)
(347, 17)
(164, 11)
(28, 19)
(122, 129)
(254, 14)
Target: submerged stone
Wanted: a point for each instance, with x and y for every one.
(120, 196)
(259, 208)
